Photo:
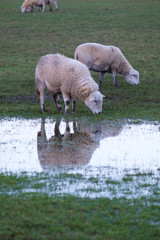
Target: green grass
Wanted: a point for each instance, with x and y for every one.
(75, 218)
(28, 212)
(133, 26)
(31, 208)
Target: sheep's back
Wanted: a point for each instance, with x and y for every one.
(99, 54)
(64, 74)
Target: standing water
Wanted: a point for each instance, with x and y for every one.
(86, 157)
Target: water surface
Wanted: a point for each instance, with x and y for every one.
(97, 151)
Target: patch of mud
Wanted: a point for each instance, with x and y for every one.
(102, 153)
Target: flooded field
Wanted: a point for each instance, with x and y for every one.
(83, 158)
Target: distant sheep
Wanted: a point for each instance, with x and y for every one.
(69, 77)
(28, 5)
(102, 58)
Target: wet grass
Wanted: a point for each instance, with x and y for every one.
(132, 26)
(76, 218)
(29, 212)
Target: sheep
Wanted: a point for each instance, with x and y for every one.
(28, 5)
(70, 77)
(103, 58)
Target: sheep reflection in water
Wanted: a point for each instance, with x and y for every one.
(74, 147)
(69, 148)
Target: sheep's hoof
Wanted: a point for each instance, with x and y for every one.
(44, 111)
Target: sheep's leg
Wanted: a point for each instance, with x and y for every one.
(40, 87)
(44, 6)
(67, 102)
(55, 3)
(66, 99)
(42, 102)
(34, 7)
(115, 82)
(101, 78)
(114, 79)
(73, 105)
(56, 100)
(50, 5)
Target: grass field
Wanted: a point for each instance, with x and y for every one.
(134, 27)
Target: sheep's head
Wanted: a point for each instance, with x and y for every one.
(132, 77)
(26, 8)
(94, 102)
(23, 9)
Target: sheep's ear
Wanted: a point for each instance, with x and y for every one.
(103, 95)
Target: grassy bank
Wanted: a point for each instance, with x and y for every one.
(132, 26)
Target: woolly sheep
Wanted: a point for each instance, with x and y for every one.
(28, 5)
(70, 77)
(102, 58)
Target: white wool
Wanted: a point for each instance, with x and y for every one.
(69, 77)
(103, 58)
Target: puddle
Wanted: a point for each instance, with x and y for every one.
(83, 156)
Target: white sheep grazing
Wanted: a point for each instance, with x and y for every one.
(102, 58)
(28, 5)
(69, 77)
